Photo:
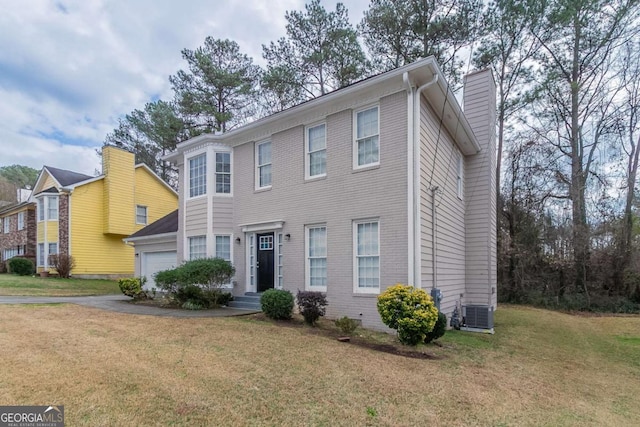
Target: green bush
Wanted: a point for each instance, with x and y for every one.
(167, 280)
(191, 293)
(438, 330)
(215, 297)
(132, 287)
(21, 266)
(409, 310)
(312, 305)
(209, 272)
(277, 304)
(347, 325)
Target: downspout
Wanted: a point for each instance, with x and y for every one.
(411, 278)
(415, 175)
(434, 218)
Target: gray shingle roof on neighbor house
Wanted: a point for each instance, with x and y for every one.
(166, 224)
(65, 177)
(50, 190)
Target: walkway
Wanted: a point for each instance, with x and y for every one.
(120, 304)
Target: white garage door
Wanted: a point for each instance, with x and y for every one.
(152, 262)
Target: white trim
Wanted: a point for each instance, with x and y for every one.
(411, 182)
(460, 176)
(307, 153)
(146, 215)
(35, 187)
(307, 263)
(78, 184)
(215, 247)
(154, 238)
(262, 226)
(279, 244)
(206, 246)
(354, 143)
(210, 179)
(187, 170)
(18, 215)
(215, 173)
(257, 166)
(250, 286)
(356, 288)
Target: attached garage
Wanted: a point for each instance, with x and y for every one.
(155, 247)
(152, 262)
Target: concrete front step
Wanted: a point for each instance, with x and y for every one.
(249, 301)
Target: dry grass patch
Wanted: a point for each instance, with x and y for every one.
(11, 284)
(541, 368)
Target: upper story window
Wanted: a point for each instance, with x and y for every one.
(460, 176)
(198, 175)
(367, 138)
(41, 209)
(223, 173)
(316, 266)
(263, 165)
(197, 247)
(6, 224)
(20, 221)
(141, 214)
(316, 151)
(366, 236)
(52, 208)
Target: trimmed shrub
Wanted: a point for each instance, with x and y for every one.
(312, 305)
(132, 287)
(63, 264)
(21, 266)
(209, 272)
(409, 310)
(191, 293)
(215, 297)
(167, 280)
(347, 325)
(438, 330)
(277, 304)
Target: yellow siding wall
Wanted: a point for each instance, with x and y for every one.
(52, 231)
(40, 235)
(94, 251)
(153, 194)
(119, 186)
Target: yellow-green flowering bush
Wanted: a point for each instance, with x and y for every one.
(409, 310)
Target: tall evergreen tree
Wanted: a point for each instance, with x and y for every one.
(218, 90)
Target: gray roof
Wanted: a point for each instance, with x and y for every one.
(65, 177)
(166, 224)
(13, 206)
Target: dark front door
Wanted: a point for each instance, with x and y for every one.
(265, 261)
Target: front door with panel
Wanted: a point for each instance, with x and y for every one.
(265, 266)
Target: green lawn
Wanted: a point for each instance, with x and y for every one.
(541, 368)
(39, 286)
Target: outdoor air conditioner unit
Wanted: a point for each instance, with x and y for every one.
(478, 316)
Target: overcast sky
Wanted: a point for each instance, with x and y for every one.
(70, 68)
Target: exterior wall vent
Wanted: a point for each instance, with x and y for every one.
(478, 316)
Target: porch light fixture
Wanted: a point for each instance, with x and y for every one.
(238, 240)
(287, 237)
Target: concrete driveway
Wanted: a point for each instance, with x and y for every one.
(120, 304)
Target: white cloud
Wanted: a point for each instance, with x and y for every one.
(70, 68)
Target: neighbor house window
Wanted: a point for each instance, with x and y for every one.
(223, 247)
(5, 225)
(316, 151)
(223, 173)
(20, 220)
(460, 176)
(197, 247)
(367, 256)
(40, 254)
(41, 209)
(141, 214)
(367, 144)
(53, 250)
(52, 208)
(263, 164)
(316, 250)
(198, 175)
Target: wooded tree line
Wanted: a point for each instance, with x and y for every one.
(568, 104)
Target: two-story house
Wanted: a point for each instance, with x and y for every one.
(385, 181)
(87, 217)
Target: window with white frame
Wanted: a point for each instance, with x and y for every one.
(263, 165)
(198, 175)
(141, 214)
(280, 282)
(367, 256)
(223, 173)
(460, 176)
(40, 254)
(53, 250)
(6, 225)
(197, 247)
(316, 250)
(41, 209)
(316, 151)
(52, 208)
(20, 221)
(223, 247)
(367, 141)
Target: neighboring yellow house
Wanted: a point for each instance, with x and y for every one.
(87, 217)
